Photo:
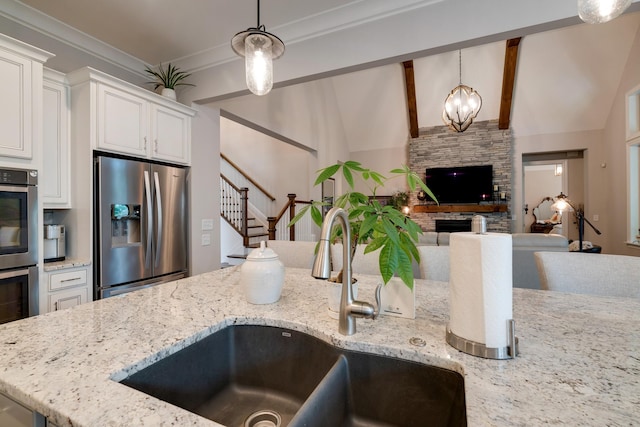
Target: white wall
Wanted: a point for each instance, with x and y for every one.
(278, 167)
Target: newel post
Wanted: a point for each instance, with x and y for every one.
(244, 197)
(292, 213)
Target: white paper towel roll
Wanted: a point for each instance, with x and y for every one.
(481, 287)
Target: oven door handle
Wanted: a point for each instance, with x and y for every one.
(14, 273)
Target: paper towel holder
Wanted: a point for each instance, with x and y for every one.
(478, 349)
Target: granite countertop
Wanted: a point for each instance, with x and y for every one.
(66, 263)
(579, 360)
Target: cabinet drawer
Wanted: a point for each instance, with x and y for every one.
(67, 280)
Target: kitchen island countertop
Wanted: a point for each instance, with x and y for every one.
(579, 361)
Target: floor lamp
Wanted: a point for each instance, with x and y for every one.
(562, 203)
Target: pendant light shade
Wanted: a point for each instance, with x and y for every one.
(599, 11)
(462, 105)
(259, 49)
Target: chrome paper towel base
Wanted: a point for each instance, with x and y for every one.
(477, 349)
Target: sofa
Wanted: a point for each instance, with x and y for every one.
(525, 272)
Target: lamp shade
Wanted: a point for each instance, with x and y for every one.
(599, 11)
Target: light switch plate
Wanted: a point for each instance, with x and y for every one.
(207, 224)
(206, 239)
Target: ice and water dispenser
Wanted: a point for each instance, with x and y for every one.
(125, 225)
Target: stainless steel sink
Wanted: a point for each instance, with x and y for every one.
(259, 376)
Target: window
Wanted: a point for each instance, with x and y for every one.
(633, 156)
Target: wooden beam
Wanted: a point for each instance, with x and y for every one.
(508, 81)
(410, 85)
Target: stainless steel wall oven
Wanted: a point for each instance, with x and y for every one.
(18, 244)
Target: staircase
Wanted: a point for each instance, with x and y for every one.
(255, 233)
(252, 220)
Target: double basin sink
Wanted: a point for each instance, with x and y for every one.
(261, 376)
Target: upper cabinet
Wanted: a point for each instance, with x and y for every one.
(54, 185)
(131, 120)
(21, 97)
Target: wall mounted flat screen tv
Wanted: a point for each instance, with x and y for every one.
(464, 184)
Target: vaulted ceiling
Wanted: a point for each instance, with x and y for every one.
(566, 77)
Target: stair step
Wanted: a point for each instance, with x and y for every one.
(237, 256)
(257, 235)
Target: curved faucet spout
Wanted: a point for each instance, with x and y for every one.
(349, 307)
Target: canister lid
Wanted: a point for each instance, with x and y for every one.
(262, 253)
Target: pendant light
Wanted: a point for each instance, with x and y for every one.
(259, 49)
(599, 11)
(462, 105)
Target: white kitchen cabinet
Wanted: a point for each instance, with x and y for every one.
(21, 95)
(123, 121)
(130, 120)
(55, 181)
(170, 134)
(67, 288)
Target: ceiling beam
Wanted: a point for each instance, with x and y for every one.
(412, 106)
(508, 81)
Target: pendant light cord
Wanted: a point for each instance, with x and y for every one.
(258, 26)
(459, 63)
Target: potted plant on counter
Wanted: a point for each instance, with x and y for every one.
(168, 78)
(380, 227)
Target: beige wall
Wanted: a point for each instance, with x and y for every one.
(615, 172)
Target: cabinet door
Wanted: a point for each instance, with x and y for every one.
(171, 135)
(122, 122)
(69, 298)
(55, 182)
(16, 106)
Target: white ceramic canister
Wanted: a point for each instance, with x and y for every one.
(262, 276)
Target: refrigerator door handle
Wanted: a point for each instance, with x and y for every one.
(159, 225)
(147, 191)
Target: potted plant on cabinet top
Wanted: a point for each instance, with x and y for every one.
(168, 79)
(380, 227)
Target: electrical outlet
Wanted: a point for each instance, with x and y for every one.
(596, 217)
(205, 239)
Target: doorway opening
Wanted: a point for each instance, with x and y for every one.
(545, 176)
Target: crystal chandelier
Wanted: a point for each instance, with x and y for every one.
(259, 49)
(462, 105)
(599, 11)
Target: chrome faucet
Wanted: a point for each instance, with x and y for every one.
(349, 307)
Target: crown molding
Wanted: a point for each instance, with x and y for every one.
(57, 30)
(350, 15)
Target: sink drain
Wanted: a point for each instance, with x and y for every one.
(263, 419)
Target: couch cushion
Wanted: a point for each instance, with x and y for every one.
(428, 238)
(525, 272)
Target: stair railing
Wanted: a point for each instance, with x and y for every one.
(234, 207)
(261, 199)
(301, 230)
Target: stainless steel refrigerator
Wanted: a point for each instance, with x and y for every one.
(141, 222)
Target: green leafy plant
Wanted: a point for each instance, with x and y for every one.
(399, 199)
(169, 77)
(380, 227)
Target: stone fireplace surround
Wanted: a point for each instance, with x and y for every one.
(481, 144)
